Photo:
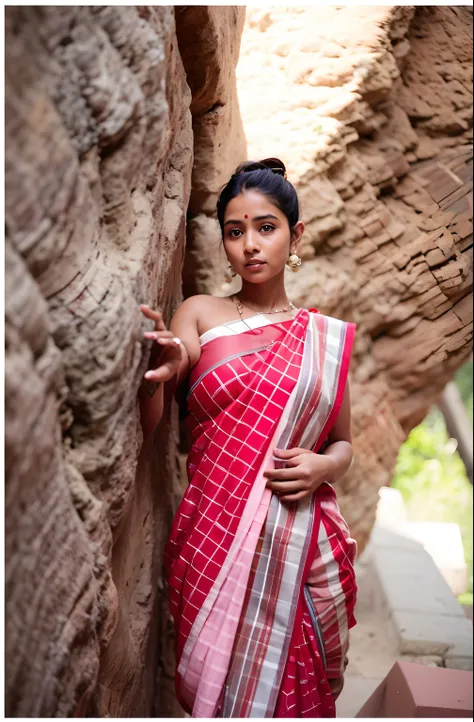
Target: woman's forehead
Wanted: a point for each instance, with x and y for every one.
(253, 203)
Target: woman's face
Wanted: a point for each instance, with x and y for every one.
(256, 230)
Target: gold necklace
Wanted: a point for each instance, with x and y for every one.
(266, 313)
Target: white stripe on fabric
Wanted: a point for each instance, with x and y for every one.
(334, 584)
(296, 548)
(284, 613)
(330, 373)
(232, 327)
(286, 608)
(253, 502)
(279, 513)
(268, 684)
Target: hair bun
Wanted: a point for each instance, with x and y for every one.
(274, 164)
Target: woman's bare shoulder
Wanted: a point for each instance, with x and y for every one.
(203, 308)
(187, 322)
(209, 311)
(204, 303)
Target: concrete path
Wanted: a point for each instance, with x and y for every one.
(397, 578)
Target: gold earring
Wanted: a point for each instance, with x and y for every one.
(294, 262)
(230, 274)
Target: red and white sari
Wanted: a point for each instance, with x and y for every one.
(262, 592)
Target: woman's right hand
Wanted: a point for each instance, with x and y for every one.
(171, 351)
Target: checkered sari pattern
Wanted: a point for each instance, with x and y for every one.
(233, 413)
(305, 690)
(239, 410)
(263, 639)
(332, 586)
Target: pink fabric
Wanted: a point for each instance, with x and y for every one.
(231, 437)
(239, 404)
(305, 691)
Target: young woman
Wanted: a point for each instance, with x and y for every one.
(259, 561)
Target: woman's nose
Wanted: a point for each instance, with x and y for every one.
(251, 240)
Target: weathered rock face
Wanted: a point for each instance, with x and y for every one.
(370, 108)
(99, 153)
(103, 114)
(209, 42)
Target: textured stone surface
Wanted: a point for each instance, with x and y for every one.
(423, 619)
(460, 659)
(209, 42)
(412, 582)
(98, 170)
(101, 128)
(423, 634)
(370, 108)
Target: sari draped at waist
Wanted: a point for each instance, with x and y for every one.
(280, 385)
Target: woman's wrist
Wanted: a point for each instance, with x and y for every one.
(339, 456)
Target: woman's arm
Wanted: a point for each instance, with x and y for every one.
(305, 470)
(170, 362)
(339, 447)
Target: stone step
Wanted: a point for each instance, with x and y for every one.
(425, 617)
(413, 690)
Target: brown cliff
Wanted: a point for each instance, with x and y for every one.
(99, 155)
(371, 109)
(122, 122)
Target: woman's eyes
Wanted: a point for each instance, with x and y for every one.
(266, 228)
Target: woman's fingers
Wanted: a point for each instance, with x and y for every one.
(293, 490)
(283, 487)
(294, 497)
(291, 472)
(155, 316)
(164, 372)
(169, 359)
(155, 335)
(170, 356)
(170, 345)
(149, 312)
(290, 453)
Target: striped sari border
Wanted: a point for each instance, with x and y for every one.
(255, 675)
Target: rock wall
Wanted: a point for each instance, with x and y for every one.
(219, 141)
(371, 110)
(106, 108)
(99, 154)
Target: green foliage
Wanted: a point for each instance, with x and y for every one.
(466, 598)
(463, 379)
(432, 478)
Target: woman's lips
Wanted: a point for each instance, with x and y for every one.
(255, 266)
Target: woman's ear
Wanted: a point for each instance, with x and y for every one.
(296, 234)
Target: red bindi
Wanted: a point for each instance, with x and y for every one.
(246, 216)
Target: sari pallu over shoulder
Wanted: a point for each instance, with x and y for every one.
(234, 412)
(271, 632)
(242, 408)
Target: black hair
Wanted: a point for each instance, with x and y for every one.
(266, 176)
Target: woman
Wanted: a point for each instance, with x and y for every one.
(259, 561)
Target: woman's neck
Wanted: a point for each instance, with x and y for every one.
(264, 296)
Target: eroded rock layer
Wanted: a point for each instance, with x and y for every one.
(371, 110)
(209, 42)
(105, 108)
(99, 152)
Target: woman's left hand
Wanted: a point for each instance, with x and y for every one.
(305, 472)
